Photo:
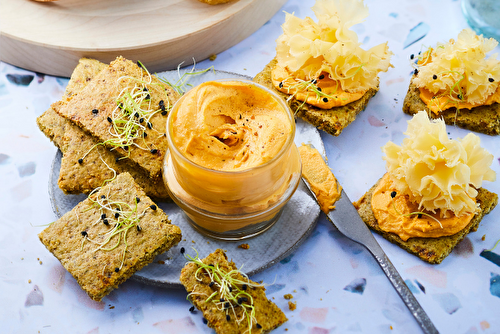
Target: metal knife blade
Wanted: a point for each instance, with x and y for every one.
(346, 219)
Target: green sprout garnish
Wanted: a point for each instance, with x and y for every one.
(230, 292)
(495, 246)
(132, 115)
(181, 85)
(118, 217)
(418, 213)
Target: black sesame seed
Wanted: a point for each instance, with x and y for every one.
(103, 196)
(148, 97)
(319, 89)
(325, 99)
(258, 325)
(393, 194)
(221, 300)
(117, 159)
(314, 81)
(244, 287)
(228, 317)
(211, 284)
(150, 126)
(161, 103)
(125, 148)
(95, 111)
(419, 215)
(164, 112)
(144, 134)
(459, 96)
(230, 289)
(120, 105)
(434, 77)
(191, 309)
(321, 77)
(110, 120)
(137, 199)
(117, 215)
(242, 300)
(183, 250)
(415, 72)
(145, 89)
(103, 216)
(226, 305)
(281, 85)
(141, 120)
(205, 321)
(80, 160)
(117, 270)
(139, 229)
(154, 150)
(136, 114)
(211, 265)
(84, 233)
(153, 207)
(105, 221)
(412, 56)
(491, 79)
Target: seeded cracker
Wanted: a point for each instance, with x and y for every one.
(485, 119)
(75, 177)
(101, 95)
(332, 120)
(98, 271)
(268, 316)
(432, 250)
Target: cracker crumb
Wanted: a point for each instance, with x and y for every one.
(40, 262)
(244, 246)
(193, 241)
(161, 262)
(292, 306)
(212, 57)
(288, 296)
(111, 307)
(29, 281)
(483, 237)
(295, 291)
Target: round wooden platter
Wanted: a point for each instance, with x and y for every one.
(50, 37)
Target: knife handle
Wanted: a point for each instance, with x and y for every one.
(403, 291)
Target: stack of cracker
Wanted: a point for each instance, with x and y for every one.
(82, 125)
(109, 236)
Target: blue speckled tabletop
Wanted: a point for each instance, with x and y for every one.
(337, 286)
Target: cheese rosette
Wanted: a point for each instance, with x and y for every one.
(458, 74)
(308, 50)
(440, 174)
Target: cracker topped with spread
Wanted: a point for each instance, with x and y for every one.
(320, 67)
(431, 195)
(458, 82)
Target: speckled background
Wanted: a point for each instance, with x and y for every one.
(336, 284)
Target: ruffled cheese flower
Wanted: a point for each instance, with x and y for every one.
(307, 48)
(436, 172)
(461, 68)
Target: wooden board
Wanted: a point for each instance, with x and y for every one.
(50, 37)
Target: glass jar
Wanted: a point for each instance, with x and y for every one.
(483, 16)
(238, 203)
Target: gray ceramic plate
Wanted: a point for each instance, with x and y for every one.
(295, 224)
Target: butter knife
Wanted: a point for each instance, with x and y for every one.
(346, 219)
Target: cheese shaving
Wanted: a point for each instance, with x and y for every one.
(307, 49)
(459, 69)
(438, 173)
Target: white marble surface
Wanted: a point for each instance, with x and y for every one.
(460, 295)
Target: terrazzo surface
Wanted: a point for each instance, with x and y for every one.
(335, 283)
